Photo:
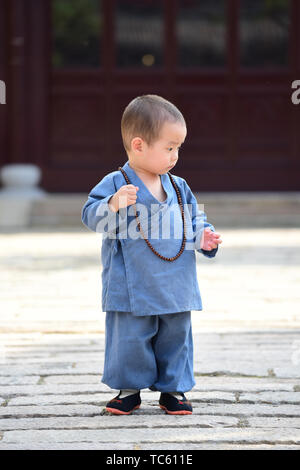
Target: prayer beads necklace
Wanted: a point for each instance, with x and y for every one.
(182, 215)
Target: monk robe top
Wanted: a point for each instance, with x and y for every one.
(134, 279)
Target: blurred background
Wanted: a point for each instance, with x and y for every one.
(70, 68)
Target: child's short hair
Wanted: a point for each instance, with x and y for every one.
(144, 117)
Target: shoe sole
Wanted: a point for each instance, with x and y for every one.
(179, 412)
(115, 411)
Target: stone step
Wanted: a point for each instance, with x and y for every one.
(225, 209)
(143, 421)
(46, 386)
(164, 435)
(153, 397)
(133, 446)
(134, 421)
(90, 410)
(282, 368)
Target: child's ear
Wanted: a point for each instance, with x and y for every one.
(137, 144)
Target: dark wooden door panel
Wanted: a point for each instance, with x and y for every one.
(3, 77)
(243, 130)
(86, 134)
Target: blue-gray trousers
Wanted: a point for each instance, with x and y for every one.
(153, 352)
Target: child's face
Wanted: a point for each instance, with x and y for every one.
(163, 154)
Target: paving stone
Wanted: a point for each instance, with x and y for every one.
(132, 446)
(220, 446)
(75, 379)
(272, 422)
(141, 421)
(268, 297)
(151, 409)
(19, 380)
(203, 383)
(66, 446)
(35, 341)
(238, 384)
(261, 338)
(108, 422)
(201, 390)
(167, 434)
(52, 368)
(217, 446)
(51, 350)
(42, 389)
(246, 368)
(60, 410)
(271, 397)
(95, 358)
(102, 398)
(94, 398)
(249, 409)
(51, 327)
(247, 365)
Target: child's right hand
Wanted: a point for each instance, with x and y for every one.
(125, 196)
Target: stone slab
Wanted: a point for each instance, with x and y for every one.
(135, 447)
(81, 385)
(154, 421)
(102, 398)
(112, 422)
(165, 435)
(151, 408)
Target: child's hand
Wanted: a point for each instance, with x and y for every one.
(125, 196)
(210, 239)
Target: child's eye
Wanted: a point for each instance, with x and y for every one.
(171, 148)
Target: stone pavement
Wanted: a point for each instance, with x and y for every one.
(247, 348)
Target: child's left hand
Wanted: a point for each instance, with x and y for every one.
(210, 239)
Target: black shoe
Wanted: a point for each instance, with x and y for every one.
(173, 406)
(124, 406)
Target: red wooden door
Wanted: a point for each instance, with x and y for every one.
(25, 67)
(228, 65)
(3, 77)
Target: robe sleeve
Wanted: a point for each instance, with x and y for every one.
(96, 213)
(199, 221)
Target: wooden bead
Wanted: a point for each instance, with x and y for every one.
(182, 215)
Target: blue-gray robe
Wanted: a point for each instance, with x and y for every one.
(134, 279)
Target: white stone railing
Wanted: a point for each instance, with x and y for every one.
(19, 191)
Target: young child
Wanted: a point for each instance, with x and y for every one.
(149, 283)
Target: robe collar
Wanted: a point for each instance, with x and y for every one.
(144, 196)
